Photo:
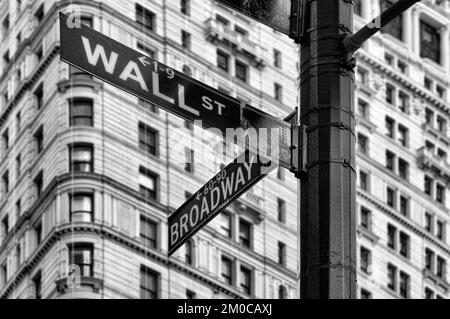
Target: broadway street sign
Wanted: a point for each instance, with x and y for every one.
(235, 179)
(281, 15)
(161, 85)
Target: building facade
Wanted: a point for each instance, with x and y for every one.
(90, 174)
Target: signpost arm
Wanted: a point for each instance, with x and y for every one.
(354, 42)
(327, 210)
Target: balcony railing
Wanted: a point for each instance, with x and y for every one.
(427, 159)
(218, 32)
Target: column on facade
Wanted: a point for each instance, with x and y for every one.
(367, 11)
(408, 29)
(416, 31)
(445, 49)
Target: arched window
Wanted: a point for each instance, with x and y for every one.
(282, 292)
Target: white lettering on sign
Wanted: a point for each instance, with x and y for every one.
(133, 72)
(110, 64)
(209, 198)
(131, 68)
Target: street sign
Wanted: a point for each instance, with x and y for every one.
(280, 15)
(161, 85)
(235, 179)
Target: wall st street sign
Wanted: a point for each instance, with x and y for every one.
(161, 85)
(281, 15)
(234, 180)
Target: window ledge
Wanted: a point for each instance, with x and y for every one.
(86, 282)
(439, 282)
(368, 234)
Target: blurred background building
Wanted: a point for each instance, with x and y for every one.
(89, 174)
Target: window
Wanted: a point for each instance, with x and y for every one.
(430, 42)
(277, 58)
(5, 25)
(404, 206)
(390, 127)
(245, 229)
(6, 59)
(392, 277)
(148, 184)
(365, 294)
(5, 182)
(404, 285)
(224, 220)
(185, 7)
(392, 235)
(39, 96)
(148, 139)
(278, 92)
(5, 226)
(190, 294)
(282, 254)
(227, 265)
(440, 193)
(363, 109)
(429, 222)
(81, 158)
(441, 91)
(429, 259)
(440, 230)
(241, 71)
(38, 233)
(403, 135)
(389, 59)
(428, 83)
(18, 166)
(404, 245)
(428, 185)
(37, 285)
(39, 53)
(222, 20)
(39, 140)
(186, 40)
(87, 21)
(189, 253)
(148, 232)
(82, 256)
(394, 28)
(440, 267)
(441, 125)
(146, 50)
(390, 160)
(240, 30)
(281, 174)
(39, 13)
(403, 100)
(18, 122)
(246, 280)
(5, 138)
(364, 181)
(282, 292)
(402, 66)
(223, 60)
(189, 156)
(145, 18)
(363, 144)
(18, 208)
(365, 218)
(3, 274)
(81, 112)
(364, 259)
(149, 284)
(403, 169)
(361, 76)
(429, 294)
(281, 208)
(38, 183)
(81, 207)
(390, 90)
